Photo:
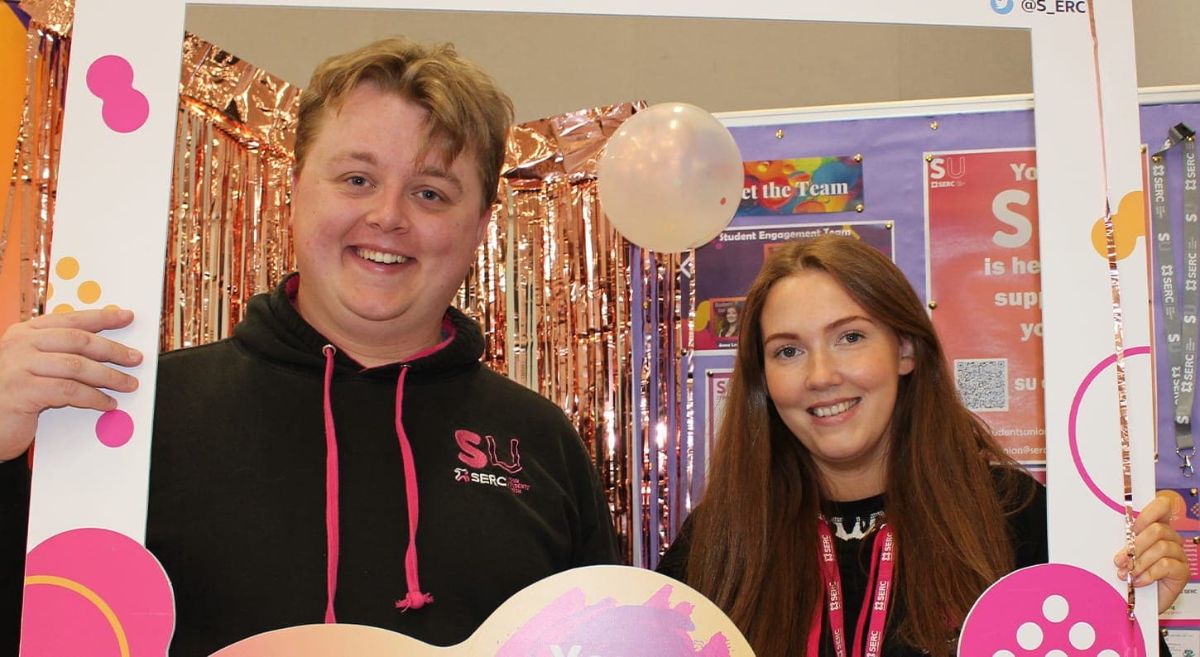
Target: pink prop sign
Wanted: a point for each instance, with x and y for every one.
(598, 611)
(1052, 610)
(654, 628)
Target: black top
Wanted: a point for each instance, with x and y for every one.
(14, 508)
(854, 526)
(507, 491)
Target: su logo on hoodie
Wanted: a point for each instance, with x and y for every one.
(482, 467)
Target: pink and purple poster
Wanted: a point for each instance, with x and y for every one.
(985, 288)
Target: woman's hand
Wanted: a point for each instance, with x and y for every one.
(1158, 550)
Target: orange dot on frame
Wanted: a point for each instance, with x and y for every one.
(89, 291)
(63, 308)
(49, 291)
(67, 268)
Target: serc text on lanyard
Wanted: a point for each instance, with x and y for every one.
(883, 568)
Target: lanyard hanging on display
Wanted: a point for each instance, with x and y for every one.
(1179, 303)
(883, 568)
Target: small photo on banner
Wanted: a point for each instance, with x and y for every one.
(807, 185)
(726, 314)
(726, 266)
(985, 288)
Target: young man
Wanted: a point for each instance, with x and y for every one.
(344, 457)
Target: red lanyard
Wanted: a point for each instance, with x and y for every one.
(883, 565)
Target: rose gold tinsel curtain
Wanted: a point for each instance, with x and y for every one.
(35, 170)
(568, 307)
(572, 311)
(229, 235)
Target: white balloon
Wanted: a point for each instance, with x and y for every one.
(671, 177)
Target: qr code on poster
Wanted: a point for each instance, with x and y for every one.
(982, 383)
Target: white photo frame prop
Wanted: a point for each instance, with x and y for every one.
(113, 199)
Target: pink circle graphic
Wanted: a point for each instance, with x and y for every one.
(1050, 609)
(91, 631)
(114, 428)
(95, 592)
(110, 78)
(1071, 426)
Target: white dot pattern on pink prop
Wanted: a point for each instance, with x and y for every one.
(1029, 636)
(1055, 608)
(1082, 636)
(1051, 610)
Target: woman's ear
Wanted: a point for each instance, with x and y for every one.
(907, 361)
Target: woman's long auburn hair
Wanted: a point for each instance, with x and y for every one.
(754, 542)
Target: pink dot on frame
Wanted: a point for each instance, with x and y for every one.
(108, 74)
(126, 114)
(114, 428)
(110, 78)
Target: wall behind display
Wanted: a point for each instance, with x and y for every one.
(720, 65)
(717, 64)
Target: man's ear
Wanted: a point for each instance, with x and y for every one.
(481, 229)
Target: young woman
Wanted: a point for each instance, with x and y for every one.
(729, 327)
(845, 453)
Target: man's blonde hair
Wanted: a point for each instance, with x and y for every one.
(468, 113)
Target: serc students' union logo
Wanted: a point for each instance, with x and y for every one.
(1002, 6)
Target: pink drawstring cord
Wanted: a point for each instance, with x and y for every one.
(331, 492)
(414, 598)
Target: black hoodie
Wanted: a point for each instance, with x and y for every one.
(237, 514)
